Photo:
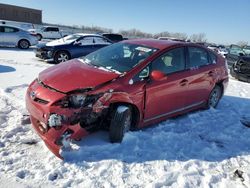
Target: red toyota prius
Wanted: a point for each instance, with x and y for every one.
(122, 87)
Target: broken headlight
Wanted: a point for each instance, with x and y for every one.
(78, 100)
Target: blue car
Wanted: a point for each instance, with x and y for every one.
(70, 47)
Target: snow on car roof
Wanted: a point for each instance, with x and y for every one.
(155, 43)
(87, 34)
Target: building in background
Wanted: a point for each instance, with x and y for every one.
(20, 14)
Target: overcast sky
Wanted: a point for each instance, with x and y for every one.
(223, 21)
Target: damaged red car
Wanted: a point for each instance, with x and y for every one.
(123, 87)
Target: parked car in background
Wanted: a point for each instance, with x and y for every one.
(241, 69)
(70, 47)
(213, 47)
(50, 32)
(125, 86)
(234, 53)
(113, 37)
(222, 50)
(246, 50)
(14, 36)
(23, 25)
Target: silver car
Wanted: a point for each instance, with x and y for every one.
(14, 36)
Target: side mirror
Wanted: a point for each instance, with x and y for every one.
(241, 54)
(157, 75)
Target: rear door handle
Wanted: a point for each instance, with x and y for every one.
(183, 82)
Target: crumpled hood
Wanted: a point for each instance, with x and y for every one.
(59, 42)
(74, 74)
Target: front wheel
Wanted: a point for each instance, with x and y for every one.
(61, 56)
(23, 44)
(214, 97)
(120, 123)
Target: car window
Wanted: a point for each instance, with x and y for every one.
(171, 62)
(235, 50)
(197, 57)
(213, 58)
(100, 40)
(114, 37)
(51, 29)
(87, 41)
(10, 29)
(55, 29)
(1, 29)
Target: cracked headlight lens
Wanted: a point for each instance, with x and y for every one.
(77, 101)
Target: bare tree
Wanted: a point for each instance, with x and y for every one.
(135, 33)
(200, 37)
(242, 43)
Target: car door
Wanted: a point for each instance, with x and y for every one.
(201, 77)
(10, 36)
(82, 46)
(233, 55)
(50, 32)
(55, 32)
(167, 96)
(2, 38)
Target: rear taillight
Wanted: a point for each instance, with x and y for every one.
(33, 33)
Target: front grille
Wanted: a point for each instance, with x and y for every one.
(245, 69)
(242, 67)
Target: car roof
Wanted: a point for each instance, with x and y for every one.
(7, 25)
(87, 34)
(155, 43)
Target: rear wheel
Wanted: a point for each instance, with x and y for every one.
(61, 56)
(23, 44)
(39, 37)
(214, 97)
(120, 123)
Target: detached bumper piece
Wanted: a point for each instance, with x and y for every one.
(56, 137)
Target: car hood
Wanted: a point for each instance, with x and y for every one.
(59, 42)
(245, 59)
(73, 75)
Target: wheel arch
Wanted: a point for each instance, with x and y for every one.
(20, 39)
(61, 50)
(221, 85)
(135, 112)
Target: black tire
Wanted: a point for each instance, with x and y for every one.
(39, 37)
(214, 97)
(23, 44)
(61, 56)
(120, 123)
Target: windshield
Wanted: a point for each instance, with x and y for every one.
(72, 37)
(246, 48)
(120, 57)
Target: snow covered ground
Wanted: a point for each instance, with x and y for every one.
(202, 149)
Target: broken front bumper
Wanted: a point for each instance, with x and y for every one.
(41, 112)
(45, 55)
(53, 138)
